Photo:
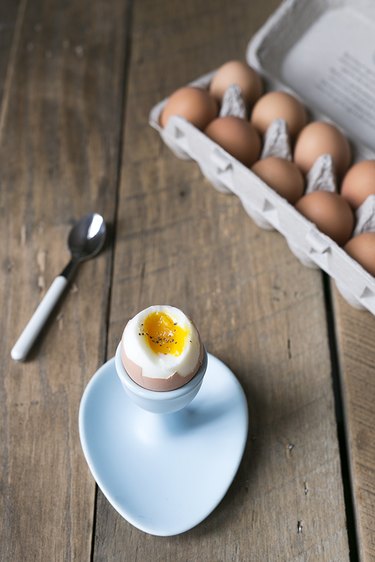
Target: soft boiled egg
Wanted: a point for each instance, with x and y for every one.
(161, 348)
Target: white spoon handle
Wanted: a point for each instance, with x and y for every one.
(38, 319)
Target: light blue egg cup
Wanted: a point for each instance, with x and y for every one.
(163, 402)
(164, 460)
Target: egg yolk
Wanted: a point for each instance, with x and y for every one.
(163, 335)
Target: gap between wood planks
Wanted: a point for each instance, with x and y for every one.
(127, 50)
(340, 421)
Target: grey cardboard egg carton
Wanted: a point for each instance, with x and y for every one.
(283, 53)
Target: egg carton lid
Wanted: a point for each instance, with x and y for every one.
(324, 53)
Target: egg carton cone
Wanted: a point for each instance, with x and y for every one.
(365, 216)
(276, 141)
(322, 176)
(294, 52)
(233, 103)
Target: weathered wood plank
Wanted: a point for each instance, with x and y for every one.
(356, 336)
(258, 309)
(11, 15)
(59, 149)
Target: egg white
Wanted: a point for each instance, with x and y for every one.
(158, 365)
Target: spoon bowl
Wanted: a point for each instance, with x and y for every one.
(87, 237)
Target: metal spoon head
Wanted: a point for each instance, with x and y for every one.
(87, 237)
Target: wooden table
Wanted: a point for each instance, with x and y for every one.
(77, 81)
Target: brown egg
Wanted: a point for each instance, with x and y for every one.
(320, 138)
(237, 72)
(195, 104)
(362, 249)
(330, 212)
(283, 176)
(236, 136)
(359, 183)
(279, 105)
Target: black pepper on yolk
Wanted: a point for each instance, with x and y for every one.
(163, 335)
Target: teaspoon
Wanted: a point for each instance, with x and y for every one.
(85, 240)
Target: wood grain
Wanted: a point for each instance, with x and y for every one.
(356, 336)
(11, 15)
(258, 309)
(59, 150)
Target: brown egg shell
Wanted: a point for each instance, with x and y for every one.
(319, 138)
(281, 175)
(330, 212)
(359, 183)
(279, 105)
(241, 74)
(362, 249)
(173, 382)
(237, 136)
(194, 104)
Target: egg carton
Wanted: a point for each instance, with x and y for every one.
(286, 39)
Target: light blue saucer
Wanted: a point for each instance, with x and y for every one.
(164, 473)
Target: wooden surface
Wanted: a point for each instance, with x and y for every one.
(356, 351)
(77, 81)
